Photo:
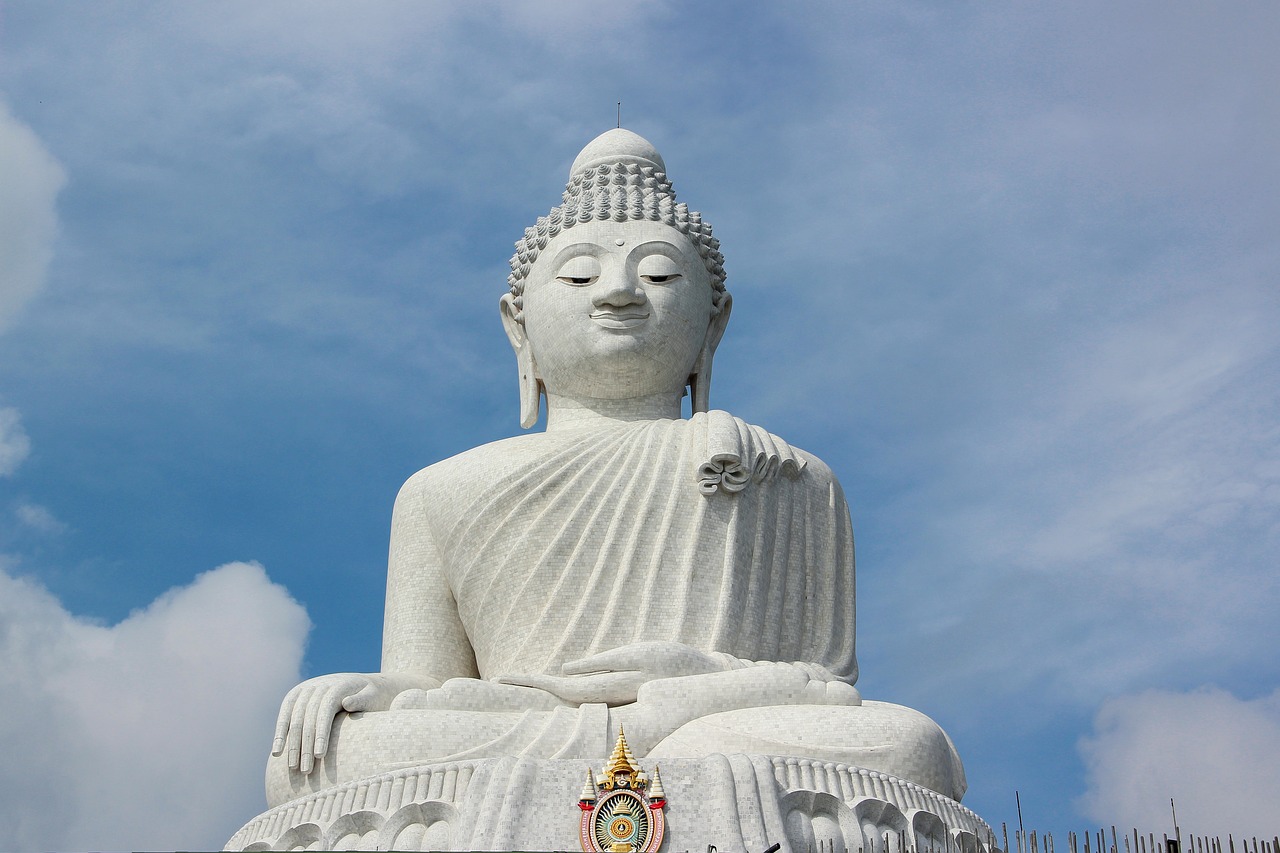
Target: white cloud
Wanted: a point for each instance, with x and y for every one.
(28, 220)
(148, 734)
(1217, 756)
(39, 518)
(14, 444)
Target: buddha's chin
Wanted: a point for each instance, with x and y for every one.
(614, 352)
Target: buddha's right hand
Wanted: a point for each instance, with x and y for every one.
(306, 715)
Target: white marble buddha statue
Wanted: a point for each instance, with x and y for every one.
(691, 580)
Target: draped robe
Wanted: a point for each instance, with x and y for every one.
(521, 555)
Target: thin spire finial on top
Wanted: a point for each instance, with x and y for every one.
(619, 113)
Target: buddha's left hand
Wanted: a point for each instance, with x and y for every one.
(614, 677)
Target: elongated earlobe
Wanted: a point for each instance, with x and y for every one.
(700, 383)
(700, 379)
(530, 386)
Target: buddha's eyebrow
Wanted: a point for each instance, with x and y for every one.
(577, 250)
(665, 247)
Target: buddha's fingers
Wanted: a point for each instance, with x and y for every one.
(319, 723)
(282, 721)
(307, 757)
(297, 716)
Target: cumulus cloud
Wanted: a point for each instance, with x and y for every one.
(1216, 755)
(14, 444)
(28, 220)
(147, 734)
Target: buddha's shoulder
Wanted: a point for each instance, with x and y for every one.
(472, 469)
(814, 467)
(456, 480)
(732, 436)
(816, 474)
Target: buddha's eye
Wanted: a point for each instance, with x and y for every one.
(579, 271)
(659, 269)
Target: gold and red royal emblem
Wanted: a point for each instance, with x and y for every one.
(622, 808)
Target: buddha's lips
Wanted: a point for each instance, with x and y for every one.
(620, 319)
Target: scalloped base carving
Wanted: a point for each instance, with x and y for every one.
(736, 802)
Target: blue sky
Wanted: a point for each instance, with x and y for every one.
(1011, 270)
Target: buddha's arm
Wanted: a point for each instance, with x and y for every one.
(422, 632)
(423, 645)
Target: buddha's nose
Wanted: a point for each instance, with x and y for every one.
(618, 290)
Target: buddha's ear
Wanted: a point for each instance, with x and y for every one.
(700, 381)
(715, 330)
(530, 390)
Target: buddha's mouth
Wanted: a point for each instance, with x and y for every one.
(620, 319)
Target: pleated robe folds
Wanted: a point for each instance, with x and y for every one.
(521, 555)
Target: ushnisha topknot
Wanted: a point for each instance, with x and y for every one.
(619, 176)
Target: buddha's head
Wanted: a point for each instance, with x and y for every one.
(618, 293)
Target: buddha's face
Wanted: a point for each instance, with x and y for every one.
(617, 310)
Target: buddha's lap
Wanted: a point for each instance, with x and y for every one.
(875, 735)
(879, 736)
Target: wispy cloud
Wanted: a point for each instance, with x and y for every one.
(1217, 756)
(15, 446)
(39, 518)
(28, 219)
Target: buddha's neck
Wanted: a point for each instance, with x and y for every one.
(586, 412)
